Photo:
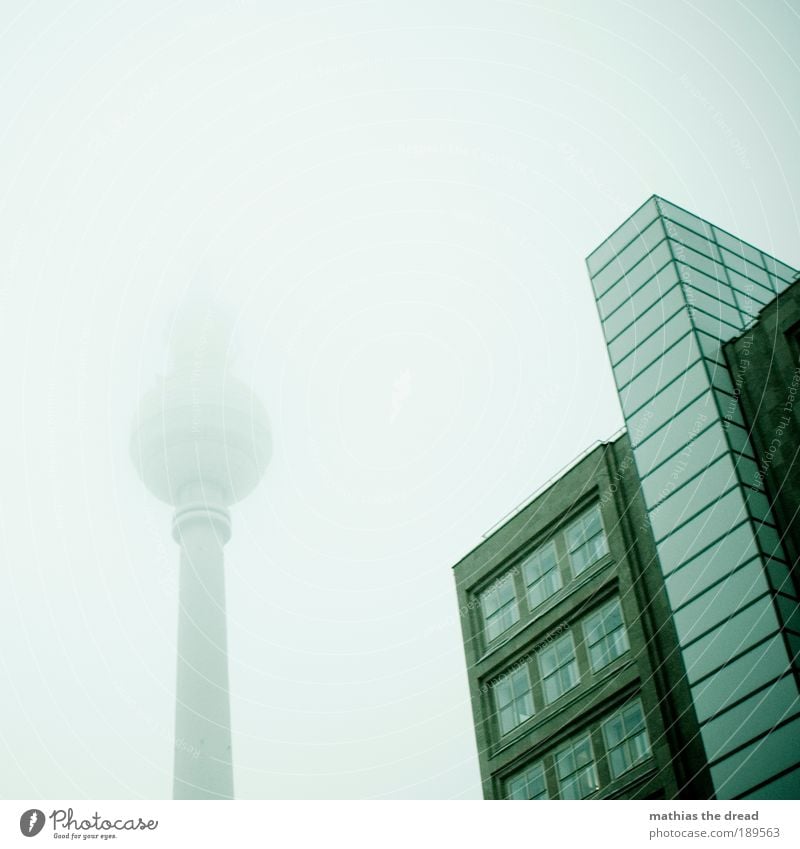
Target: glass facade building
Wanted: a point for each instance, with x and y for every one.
(671, 290)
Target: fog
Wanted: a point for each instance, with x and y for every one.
(391, 203)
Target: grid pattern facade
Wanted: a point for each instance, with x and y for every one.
(583, 693)
(671, 289)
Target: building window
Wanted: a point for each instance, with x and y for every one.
(559, 668)
(626, 738)
(500, 609)
(586, 540)
(606, 638)
(542, 577)
(528, 784)
(576, 770)
(513, 699)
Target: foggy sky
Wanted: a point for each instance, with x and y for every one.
(394, 201)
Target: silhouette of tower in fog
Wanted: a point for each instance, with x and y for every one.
(201, 442)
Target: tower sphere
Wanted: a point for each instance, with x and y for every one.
(201, 427)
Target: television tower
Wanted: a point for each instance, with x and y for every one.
(201, 442)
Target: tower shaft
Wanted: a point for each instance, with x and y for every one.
(203, 756)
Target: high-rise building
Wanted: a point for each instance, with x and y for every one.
(702, 334)
(575, 676)
(671, 290)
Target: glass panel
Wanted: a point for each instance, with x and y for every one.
(739, 678)
(681, 467)
(630, 298)
(761, 712)
(648, 351)
(633, 296)
(720, 376)
(677, 395)
(558, 667)
(626, 738)
(586, 540)
(541, 575)
(682, 216)
(729, 639)
(769, 541)
(577, 776)
(748, 269)
(729, 408)
(781, 271)
(721, 601)
(605, 635)
(715, 326)
(711, 305)
(686, 424)
(675, 362)
(624, 234)
(758, 291)
(668, 411)
(789, 612)
(693, 577)
(748, 472)
(706, 275)
(737, 247)
(690, 499)
(529, 784)
(697, 533)
(750, 766)
(648, 310)
(710, 346)
(499, 604)
(758, 505)
(685, 238)
(513, 699)
(737, 436)
(784, 787)
(779, 577)
(639, 251)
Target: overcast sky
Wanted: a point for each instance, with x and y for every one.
(395, 200)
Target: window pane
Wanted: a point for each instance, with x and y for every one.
(541, 574)
(586, 540)
(500, 609)
(513, 699)
(606, 638)
(626, 738)
(559, 668)
(529, 784)
(575, 768)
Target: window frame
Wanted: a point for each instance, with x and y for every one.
(513, 603)
(628, 736)
(509, 678)
(583, 519)
(575, 775)
(523, 773)
(602, 612)
(558, 669)
(542, 551)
